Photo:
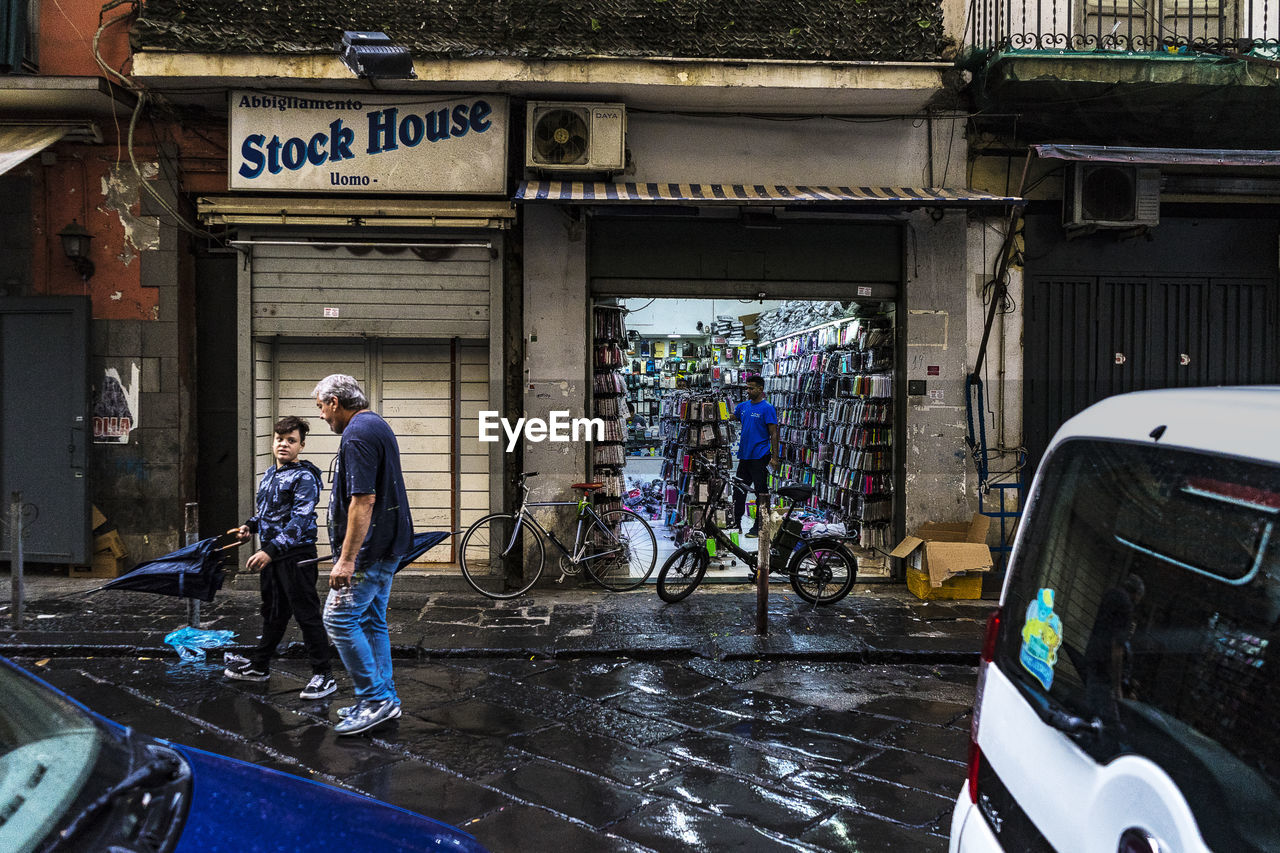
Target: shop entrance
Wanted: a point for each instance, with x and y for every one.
(669, 373)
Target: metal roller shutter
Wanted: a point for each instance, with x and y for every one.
(393, 290)
(410, 383)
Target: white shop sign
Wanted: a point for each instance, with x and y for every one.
(367, 142)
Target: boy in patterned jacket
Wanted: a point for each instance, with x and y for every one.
(286, 526)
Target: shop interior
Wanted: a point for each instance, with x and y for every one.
(667, 375)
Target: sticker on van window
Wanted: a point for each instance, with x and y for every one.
(1041, 638)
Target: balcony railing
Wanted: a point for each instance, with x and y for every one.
(1166, 26)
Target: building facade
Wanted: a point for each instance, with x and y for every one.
(809, 152)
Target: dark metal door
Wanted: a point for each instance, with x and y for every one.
(44, 423)
(1192, 302)
(1091, 337)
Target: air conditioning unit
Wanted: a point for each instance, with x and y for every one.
(562, 137)
(1111, 195)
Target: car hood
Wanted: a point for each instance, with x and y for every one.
(242, 808)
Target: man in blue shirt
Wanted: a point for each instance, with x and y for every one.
(370, 530)
(757, 449)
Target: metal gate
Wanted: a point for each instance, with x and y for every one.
(1089, 337)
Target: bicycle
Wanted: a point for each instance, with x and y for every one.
(502, 554)
(821, 570)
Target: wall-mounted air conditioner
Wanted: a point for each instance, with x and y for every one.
(1111, 195)
(563, 137)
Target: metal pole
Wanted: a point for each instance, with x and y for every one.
(191, 535)
(16, 591)
(764, 520)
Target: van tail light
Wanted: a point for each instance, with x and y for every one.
(988, 655)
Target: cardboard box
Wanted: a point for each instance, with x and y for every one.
(98, 518)
(105, 565)
(110, 541)
(943, 551)
(962, 586)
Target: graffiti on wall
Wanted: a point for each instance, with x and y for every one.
(115, 411)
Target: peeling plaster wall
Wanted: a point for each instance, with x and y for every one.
(939, 476)
(555, 337)
(121, 188)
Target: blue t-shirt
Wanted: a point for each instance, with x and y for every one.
(369, 464)
(755, 417)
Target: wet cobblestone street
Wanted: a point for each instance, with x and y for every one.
(595, 754)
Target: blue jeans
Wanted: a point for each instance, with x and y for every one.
(356, 619)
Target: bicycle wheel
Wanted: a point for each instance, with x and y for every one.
(681, 574)
(628, 547)
(499, 560)
(822, 571)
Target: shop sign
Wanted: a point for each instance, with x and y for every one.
(367, 142)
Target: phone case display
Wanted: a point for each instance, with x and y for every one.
(609, 395)
(833, 390)
(695, 426)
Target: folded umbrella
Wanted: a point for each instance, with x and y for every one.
(422, 543)
(191, 572)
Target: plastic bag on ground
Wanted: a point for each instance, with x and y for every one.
(191, 643)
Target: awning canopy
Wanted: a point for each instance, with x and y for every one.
(604, 192)
(1160, 156)
(19, 143)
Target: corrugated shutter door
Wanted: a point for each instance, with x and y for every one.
(408, 383)
(386, 292)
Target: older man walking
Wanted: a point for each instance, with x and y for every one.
(369, 530)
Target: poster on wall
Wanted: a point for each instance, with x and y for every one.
(367, 142)
(115, 408)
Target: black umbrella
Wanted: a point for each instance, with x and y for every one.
(191, 572)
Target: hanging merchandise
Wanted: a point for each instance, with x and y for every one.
(832, 386)
(609, 390)
(694, 429)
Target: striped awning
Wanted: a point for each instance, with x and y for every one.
(605, 192)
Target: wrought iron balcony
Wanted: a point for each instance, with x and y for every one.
(1143, 26)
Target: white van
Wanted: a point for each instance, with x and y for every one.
(1129, 693)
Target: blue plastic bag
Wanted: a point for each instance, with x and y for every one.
(190, 643)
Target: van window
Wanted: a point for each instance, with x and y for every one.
(1147, 595)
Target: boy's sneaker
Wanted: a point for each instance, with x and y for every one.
(246, 672)
(367, 714)
(319, 687)
(754, 532)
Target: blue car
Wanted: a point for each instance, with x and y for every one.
(72, 780)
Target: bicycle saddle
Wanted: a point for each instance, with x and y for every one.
(796, 492)
(587, 487)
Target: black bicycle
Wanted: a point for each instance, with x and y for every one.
(821, 570)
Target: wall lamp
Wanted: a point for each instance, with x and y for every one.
(75, 245)
(372, 55)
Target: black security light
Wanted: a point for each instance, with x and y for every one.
(372, 55)
(75, 245)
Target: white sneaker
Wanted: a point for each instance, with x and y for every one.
(367, 715)
(319, 687)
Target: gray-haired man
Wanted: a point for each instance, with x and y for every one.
(369, 530)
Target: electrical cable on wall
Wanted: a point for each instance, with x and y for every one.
(141, 101)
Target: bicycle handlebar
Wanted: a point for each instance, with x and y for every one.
(732, 478)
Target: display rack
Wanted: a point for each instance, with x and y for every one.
(609, 401)
(832, 386)
(695, 426)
